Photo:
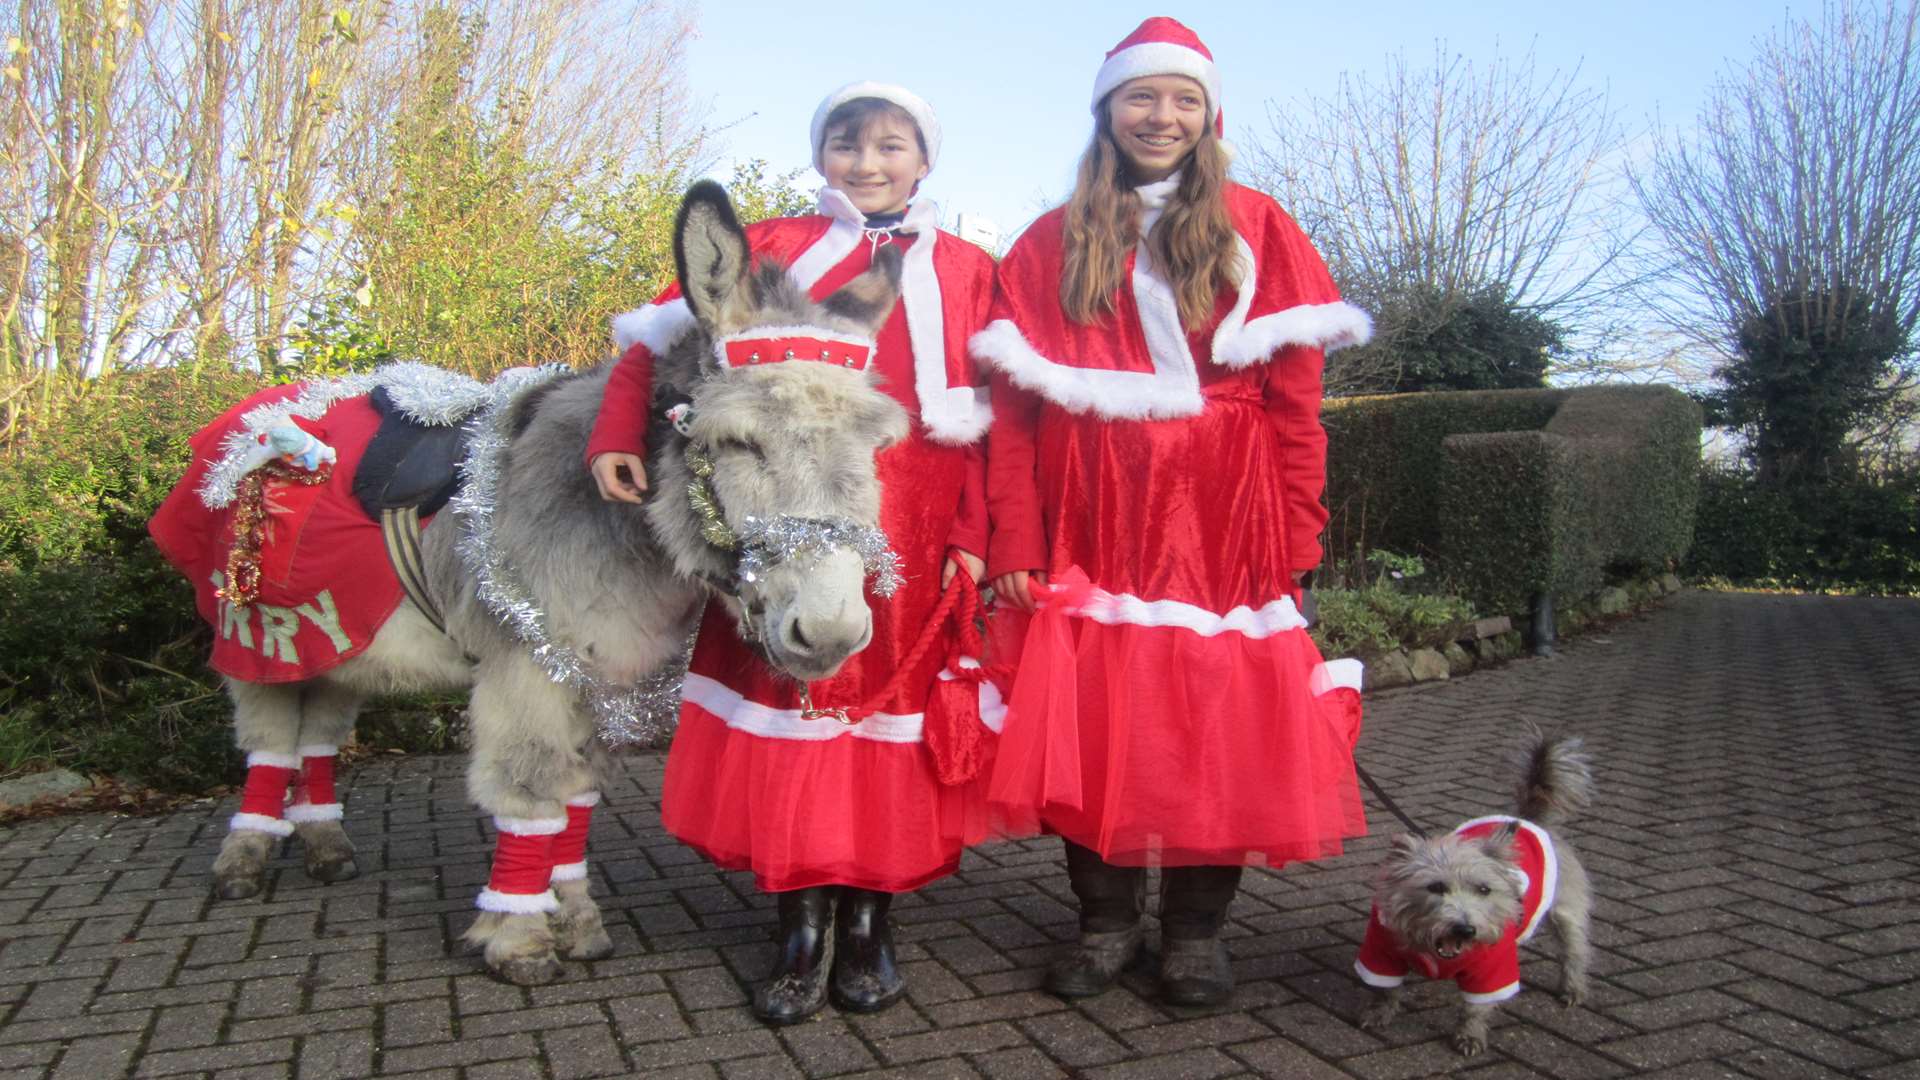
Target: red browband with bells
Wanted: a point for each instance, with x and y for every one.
(785, 345)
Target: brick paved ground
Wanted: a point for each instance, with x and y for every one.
(1755, 848)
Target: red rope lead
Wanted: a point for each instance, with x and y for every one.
(961, 586)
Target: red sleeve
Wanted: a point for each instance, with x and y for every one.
(969, 532)
(1379, 963)
(621, 426)
(1293, 394)
(1019, 540)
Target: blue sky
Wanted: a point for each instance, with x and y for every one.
(1011, 81)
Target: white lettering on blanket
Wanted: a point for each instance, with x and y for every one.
(279, 625)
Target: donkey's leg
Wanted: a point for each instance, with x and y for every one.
(579, 932)
(525, 766)
(266, 724)
(327, 712)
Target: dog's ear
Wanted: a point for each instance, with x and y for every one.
(1405, 846)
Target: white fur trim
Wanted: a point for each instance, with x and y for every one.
(1324, 326)
(1374, 978)
(530, 826)
(1492, 996)
(585, 798)
(820, 333)
(573, 871)
(318, 750)
(915, 105)
(272, 760)
(259, 823)
(1158, 58)
(1334, 674)
(1549, 874)
(1128, 395)
(955, 415)
(767, 722)
(993, 709)
(539, 903)
(657, 326)
(309, 812)
(1122, 609)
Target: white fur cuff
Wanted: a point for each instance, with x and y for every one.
(1372, 978)
(273, 760)
(539, 903)
(301, 813)
(318, 750)
(585, 798)
(530, 826)
(272, 826)
(573, 871)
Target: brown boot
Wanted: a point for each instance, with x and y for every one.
(1111, 898)
(1194, 969)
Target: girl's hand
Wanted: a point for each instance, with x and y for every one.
(956, 558)
(1013, 588)
(613, 486)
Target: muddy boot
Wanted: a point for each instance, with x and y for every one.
(1110, 898)
(1193, 960)
(799, 985)
(865, 977)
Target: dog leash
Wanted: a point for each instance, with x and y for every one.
(1387, 800)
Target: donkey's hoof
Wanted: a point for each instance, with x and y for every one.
(591, 944)
(527, 970)
(238, 886)
(333, 868)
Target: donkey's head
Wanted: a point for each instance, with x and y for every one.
(784, 420)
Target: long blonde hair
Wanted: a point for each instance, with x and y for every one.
(1193, 243)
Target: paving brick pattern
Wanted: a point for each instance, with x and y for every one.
(1755, 847)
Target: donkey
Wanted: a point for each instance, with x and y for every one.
(758, 445)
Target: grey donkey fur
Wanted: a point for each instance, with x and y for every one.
(621, 585)
(1443, 895)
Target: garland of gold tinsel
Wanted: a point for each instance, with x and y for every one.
(250, 517)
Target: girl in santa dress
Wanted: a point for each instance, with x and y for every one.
(1154, 481)
(835, 819)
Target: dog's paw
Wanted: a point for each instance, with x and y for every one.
(1378, 1015)
(1469, 1043)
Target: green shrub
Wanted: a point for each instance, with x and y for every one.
(101, 653)
(1854, 534)
(1383, 460)
(1383, 604)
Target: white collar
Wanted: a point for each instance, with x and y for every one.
(1154, 196)
(923, 215)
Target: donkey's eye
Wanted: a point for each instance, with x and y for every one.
(1438, 888)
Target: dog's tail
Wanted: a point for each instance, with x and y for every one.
(1556, 780)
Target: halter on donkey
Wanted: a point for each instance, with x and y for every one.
(556, 603)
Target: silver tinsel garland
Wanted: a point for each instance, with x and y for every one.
(765, 544)
(625, 714)
(422, 392)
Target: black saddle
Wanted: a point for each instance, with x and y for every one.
(408, 465)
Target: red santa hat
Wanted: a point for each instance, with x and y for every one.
(1161, 46)
(915, 105)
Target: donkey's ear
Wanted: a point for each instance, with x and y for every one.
(869, 298)
(710, 254)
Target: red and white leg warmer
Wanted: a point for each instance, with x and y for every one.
(570, 847)
(313, 794)
(522, 866)
(264, 799)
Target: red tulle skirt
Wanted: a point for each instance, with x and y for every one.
(1161, 745)
(799, 813)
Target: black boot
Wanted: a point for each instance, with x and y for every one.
(799, 985)
(1111, 898)
(1193, 960)
(865, 977)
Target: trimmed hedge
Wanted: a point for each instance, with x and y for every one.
(1857, 535)
(1516, 493)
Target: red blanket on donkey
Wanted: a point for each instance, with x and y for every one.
(325, 582)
